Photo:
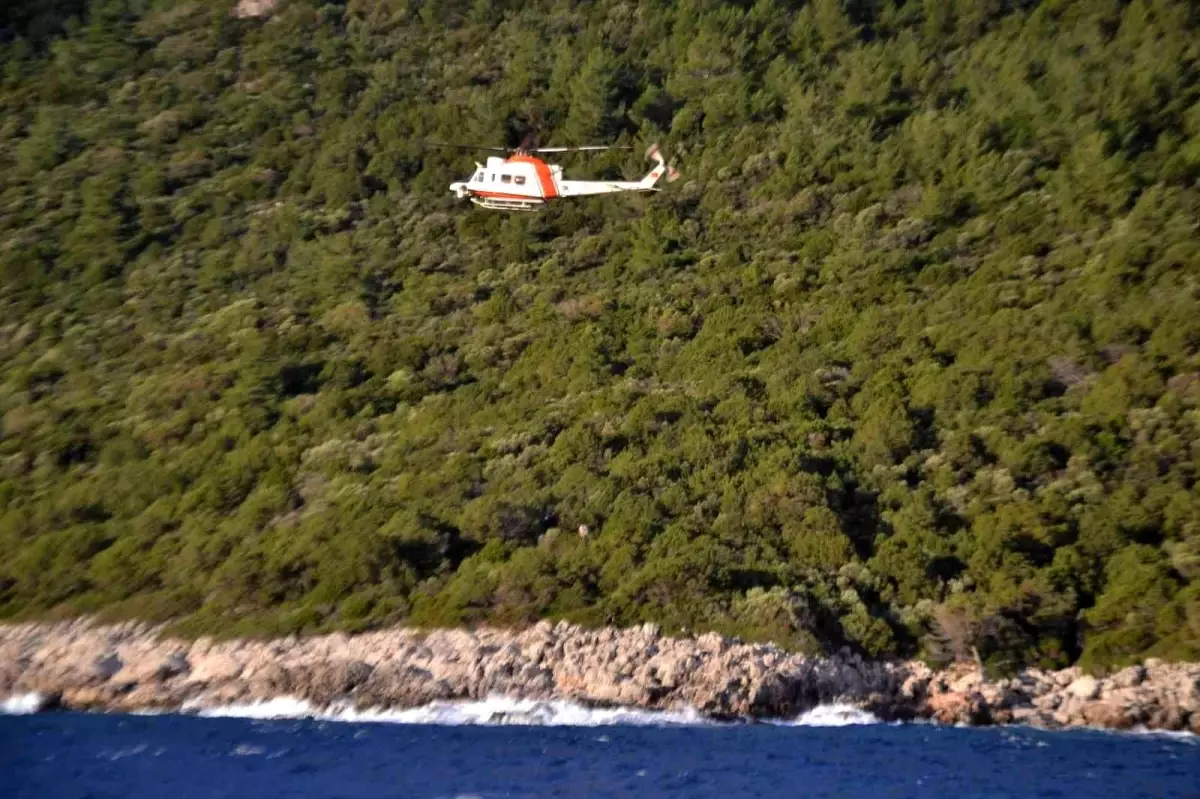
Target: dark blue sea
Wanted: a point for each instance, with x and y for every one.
(72, 755)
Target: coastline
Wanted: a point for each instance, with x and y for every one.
(134, 667)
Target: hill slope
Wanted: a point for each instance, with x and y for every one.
(909, 358)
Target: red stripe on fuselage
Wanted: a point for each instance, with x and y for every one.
(545, 179)
(500, 195)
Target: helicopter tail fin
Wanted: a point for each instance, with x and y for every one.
(660, 167)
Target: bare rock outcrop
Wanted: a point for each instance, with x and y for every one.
(254, 8)
(81, 664)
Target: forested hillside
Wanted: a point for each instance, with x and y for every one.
(908, 359)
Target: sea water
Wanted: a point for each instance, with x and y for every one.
(510, 748)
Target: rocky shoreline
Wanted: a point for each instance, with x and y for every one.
(125, 667)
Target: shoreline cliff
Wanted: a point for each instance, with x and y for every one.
(84, 665)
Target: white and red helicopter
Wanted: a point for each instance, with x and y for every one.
(521, 181)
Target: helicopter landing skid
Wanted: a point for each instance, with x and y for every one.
(507, 204)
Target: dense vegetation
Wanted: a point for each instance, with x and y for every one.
(907, 360)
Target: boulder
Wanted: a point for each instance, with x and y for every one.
(957, 708)
(1108, 715)
(1029, 715)
(1066, 677)
(1048, 701)
(773, 695)
(1000, 697)
(88, 697)
(215, 667)
(1167, 718)
(1130, 677)
(272, 680)
(152, 667)
(1189, 694)
(394, 685)
(106, 666)
(968, 682)
(333, 681)
(1085, 687)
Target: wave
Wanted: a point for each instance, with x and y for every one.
(22, 704)
(501, 711)
(285, 707)
(833, 715)
(1176, 735)
(493, 711)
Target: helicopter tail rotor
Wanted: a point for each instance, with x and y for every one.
(672, 173)
(661, 168)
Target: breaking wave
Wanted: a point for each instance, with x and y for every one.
(499, 710)
(22, 704)
(1175, 735)
(494, 711)
(834, 715)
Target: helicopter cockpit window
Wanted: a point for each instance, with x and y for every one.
(519, 180)
(478, 176)
(506, 178)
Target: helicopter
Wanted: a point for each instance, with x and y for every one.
(521, 181)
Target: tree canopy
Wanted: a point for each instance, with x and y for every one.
(908, 360)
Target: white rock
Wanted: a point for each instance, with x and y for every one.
(1066, 677)
(254, 8)
(1085, 687)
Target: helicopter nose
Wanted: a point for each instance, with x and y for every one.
(459, 189)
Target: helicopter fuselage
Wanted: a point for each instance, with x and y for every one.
(520, 182)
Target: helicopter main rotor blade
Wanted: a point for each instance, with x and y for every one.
(583, 148)
(577, 149)
(470, 147)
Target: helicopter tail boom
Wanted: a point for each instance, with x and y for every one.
(575, 188)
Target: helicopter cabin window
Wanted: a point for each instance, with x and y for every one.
(519, 180)
(506, 178)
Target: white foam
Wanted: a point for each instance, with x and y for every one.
(491, 711)
(834, 715)
(22, 704)
(284, 707)
(1174, 735)
(243, 750)
(123, 753)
